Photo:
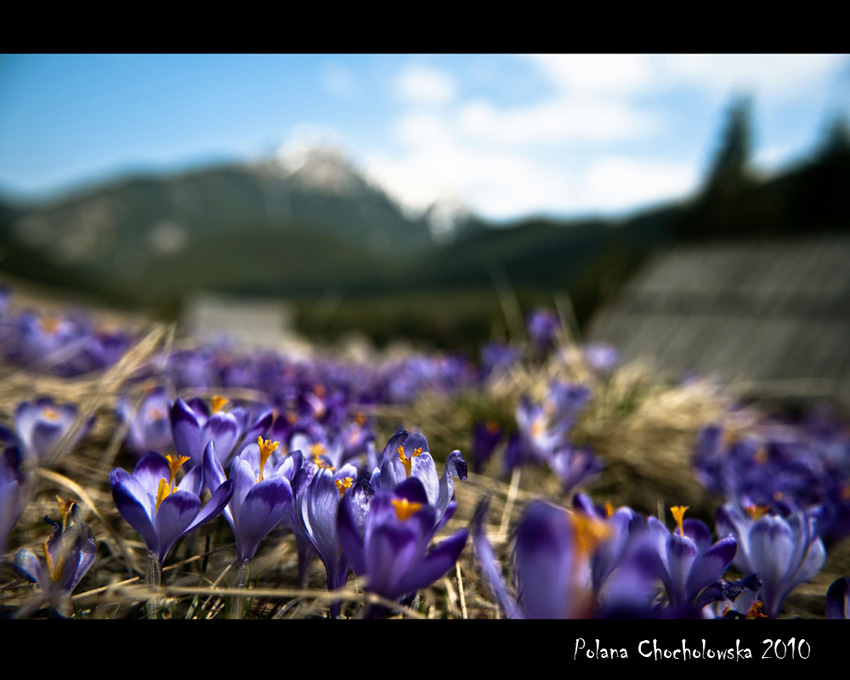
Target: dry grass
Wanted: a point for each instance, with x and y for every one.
(643, 428)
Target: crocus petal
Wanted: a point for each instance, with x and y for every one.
(435, 564)
(545, 555)
(216, 504)
(262, 510)
(321, 509)
(173, 519)
(455, 465)
(391, 550)
(681, 554)
(710, 566)
(133, 509)
(771, 545)
(214, 477)
(150, 469)
(30, 567)
(487, 562)
(222, 428)
(837, 599)
(45, 437)
(351, 537)
(699, 533)
(186, 431)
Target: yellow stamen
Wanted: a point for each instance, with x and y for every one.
(55, 570)
(319, 391)
(156, 414)
(267, 448)
(217, 402)
(729, 438)
(538, 426)
(408, 462)
(317, 450)
(761, 456)
(757, 511)
(755, 611)
(174, 464)
(778, 496)
(65, 510)
(325, 466)
(50, 414)
(360, 419)
(50, 324)
(590, 532)
(343, 484)
(166, 486)
(161, 492)
(609, 508)
(678, 512)
(404, 509)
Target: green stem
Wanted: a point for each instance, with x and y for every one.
(240, 582)
(153, 579)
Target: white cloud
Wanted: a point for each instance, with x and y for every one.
(495, 184)
(618, 182)
(425, 85)
(555, 121)
(339, 81)
(597, 74)
(772, 76)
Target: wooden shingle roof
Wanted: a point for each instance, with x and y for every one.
(774, 313)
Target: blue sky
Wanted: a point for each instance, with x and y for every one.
(506, 135)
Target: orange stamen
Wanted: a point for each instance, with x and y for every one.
(267, 448)
(343, 484)
(404, 509)
(590, 532)
(50, 414)
(217, 402)
(408, 462)
(678, 512)
(757, 511)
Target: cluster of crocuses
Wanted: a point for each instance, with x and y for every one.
(594, 561)
(375, 515)
(303, 459)
(66, 345)
(803, 466)
(542, 436)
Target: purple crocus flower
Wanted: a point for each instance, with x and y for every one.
(407, 455)
(159, 509)
(622, 525)
(43, 424)
(685, 560)
(193, 427)
(68, 554)
(485, 438)
(551, 563)
(574, 465)
(149, 429)
(14, 487)
(783, 551)
(838, 599)
(543, 325)
(261, 493)
(390, 548)
(321, 489)
(602, 358)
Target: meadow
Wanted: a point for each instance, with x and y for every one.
(144, 475)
